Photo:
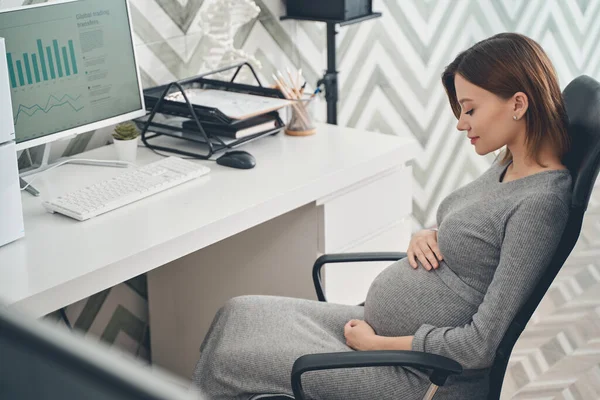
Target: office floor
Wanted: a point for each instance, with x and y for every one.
(558, 355)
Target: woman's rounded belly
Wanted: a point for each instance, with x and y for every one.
(401, 299)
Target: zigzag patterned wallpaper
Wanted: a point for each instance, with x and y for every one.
(390, 69)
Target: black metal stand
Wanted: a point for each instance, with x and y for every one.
(157, 103)
(330, 79)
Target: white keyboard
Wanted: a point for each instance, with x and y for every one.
(128, 187)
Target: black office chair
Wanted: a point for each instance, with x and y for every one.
(582, 99)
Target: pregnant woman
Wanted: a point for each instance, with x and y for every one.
(460, 286)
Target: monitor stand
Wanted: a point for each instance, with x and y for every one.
(63, 160)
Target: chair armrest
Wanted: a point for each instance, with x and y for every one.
(347, 257)
(441, 367)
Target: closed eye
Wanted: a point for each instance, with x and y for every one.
(470, 112)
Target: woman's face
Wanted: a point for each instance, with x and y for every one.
(485, 117)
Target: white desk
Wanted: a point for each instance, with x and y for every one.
(340, 190)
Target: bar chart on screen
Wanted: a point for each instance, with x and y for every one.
(46, 63)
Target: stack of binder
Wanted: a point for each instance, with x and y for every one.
(237, 129)
(220, 114)
(244, 114)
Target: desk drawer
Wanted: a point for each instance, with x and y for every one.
(348, 283)
(353, 215)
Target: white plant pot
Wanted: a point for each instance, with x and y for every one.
(126, 149)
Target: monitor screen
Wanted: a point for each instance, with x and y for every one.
(71, 67)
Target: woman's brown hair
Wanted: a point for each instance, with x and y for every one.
(505, 64)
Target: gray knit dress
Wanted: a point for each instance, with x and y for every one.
(496, 238)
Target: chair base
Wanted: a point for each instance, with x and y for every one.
(428, 396)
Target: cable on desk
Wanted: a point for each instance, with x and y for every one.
(107, 162)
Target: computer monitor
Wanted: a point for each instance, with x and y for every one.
(72, 68)
(40, 361)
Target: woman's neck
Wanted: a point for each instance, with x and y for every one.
(523, 165)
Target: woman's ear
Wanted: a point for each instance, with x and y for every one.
(520, 104)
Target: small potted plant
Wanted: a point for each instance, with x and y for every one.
(126, 141)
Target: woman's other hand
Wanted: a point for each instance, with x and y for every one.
(359, 335)
(423, 246)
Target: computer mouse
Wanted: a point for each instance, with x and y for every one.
(237, 159)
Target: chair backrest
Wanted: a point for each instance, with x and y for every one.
(582, 101)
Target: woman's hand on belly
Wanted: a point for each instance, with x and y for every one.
(424, 247)
(359, 335)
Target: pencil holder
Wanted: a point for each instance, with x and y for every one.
(301, 121)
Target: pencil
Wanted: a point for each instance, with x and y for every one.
(302, 113)
(294, 85)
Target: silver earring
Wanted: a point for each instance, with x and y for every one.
(515, 117)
